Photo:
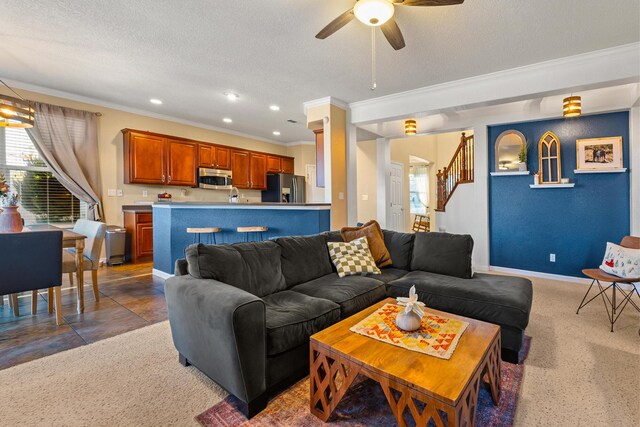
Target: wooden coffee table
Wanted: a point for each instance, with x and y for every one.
(416, 385)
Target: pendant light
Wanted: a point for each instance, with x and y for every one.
(410, 127)
(16, 112)
(572, 106)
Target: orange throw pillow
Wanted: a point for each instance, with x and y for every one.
(375, 239)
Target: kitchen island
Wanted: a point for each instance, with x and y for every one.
(171, 220)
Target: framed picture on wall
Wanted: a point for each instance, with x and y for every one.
(599, 153)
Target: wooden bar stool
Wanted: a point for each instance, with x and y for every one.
(258, 230)
(209, 231)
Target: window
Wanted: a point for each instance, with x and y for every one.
(419, 189)
(42, 198)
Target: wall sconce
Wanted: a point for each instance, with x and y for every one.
(410, 127)
(572, 106)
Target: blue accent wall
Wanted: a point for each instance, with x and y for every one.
(170, 225)
(526, 225)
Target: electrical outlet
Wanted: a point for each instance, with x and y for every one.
(111, 192)
(145, 193)
(552, 257)
(119, 192)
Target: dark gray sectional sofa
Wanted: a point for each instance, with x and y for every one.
(243, 313)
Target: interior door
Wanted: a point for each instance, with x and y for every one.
(182, 163)
(396, 197)
(314, 194)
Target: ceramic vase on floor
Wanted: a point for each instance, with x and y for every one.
(10, 220)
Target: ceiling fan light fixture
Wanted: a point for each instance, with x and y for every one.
(373, 12)
(572, 106)
(410, 127)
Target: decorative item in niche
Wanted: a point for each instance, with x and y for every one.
(511, 148)
(549, 159)
(599, 153)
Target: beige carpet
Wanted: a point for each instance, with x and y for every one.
(577, 374)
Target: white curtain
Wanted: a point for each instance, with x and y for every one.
(67, 140)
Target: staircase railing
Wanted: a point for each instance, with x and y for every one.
(459, 171)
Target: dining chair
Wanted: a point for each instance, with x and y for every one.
(32, 261)
(95, 232)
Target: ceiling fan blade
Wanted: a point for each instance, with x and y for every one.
(336, 24)
(393, 34)
(429, 2)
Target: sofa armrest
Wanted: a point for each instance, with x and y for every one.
(221, 330)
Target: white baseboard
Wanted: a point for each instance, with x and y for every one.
(557, 277)
(161, 274)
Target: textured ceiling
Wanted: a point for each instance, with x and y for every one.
(188, 53)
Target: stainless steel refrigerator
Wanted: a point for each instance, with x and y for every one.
(284, 188)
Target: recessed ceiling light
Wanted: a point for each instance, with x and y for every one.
(274, 108)
(276, 133)
(155, 101)
(231, 96)
(227, 120)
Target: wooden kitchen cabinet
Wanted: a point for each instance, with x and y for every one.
(214, 156)
(144, 159)
(182, 163)
(274, 164)
(279, 164)
(139, 241)
(287, 165)
(258, 174)
(241, 174)
(319, 157)
(154, 159)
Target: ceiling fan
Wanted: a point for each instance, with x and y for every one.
(379, 13)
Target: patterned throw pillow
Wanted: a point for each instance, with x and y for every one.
(621, 262)
(351, 258)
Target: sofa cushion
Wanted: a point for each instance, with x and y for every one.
(443, 253)
(352, 258)
(353, 293)
(332, 236)
(293, 317)
(372, 231)
(503, 300)
(254, 267)
(304, 258)
(400, 246)
(388, 274)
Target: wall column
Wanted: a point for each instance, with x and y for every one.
(352, 173)
(634, 167)
(383, 161)
(331, 115)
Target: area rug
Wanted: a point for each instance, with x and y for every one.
(437, 335)
(363, 405)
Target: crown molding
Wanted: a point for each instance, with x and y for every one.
(601, 68)
(114, 106)
(324, 101)
(295, 143)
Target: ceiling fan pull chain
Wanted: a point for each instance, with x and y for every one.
(373, 58)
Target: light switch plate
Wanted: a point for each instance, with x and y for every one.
(365, 197)
(341, 195)
(119, 192)
(111, 192)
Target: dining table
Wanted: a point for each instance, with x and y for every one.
(70, 239)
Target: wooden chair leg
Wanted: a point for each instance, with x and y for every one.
(71, 279)
(14, 304)
(94, 279)
(58, 304)
(50, 300)
(34, 302)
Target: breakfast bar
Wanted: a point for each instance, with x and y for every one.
(171, 220)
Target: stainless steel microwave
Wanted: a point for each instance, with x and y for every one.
(214, 179)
